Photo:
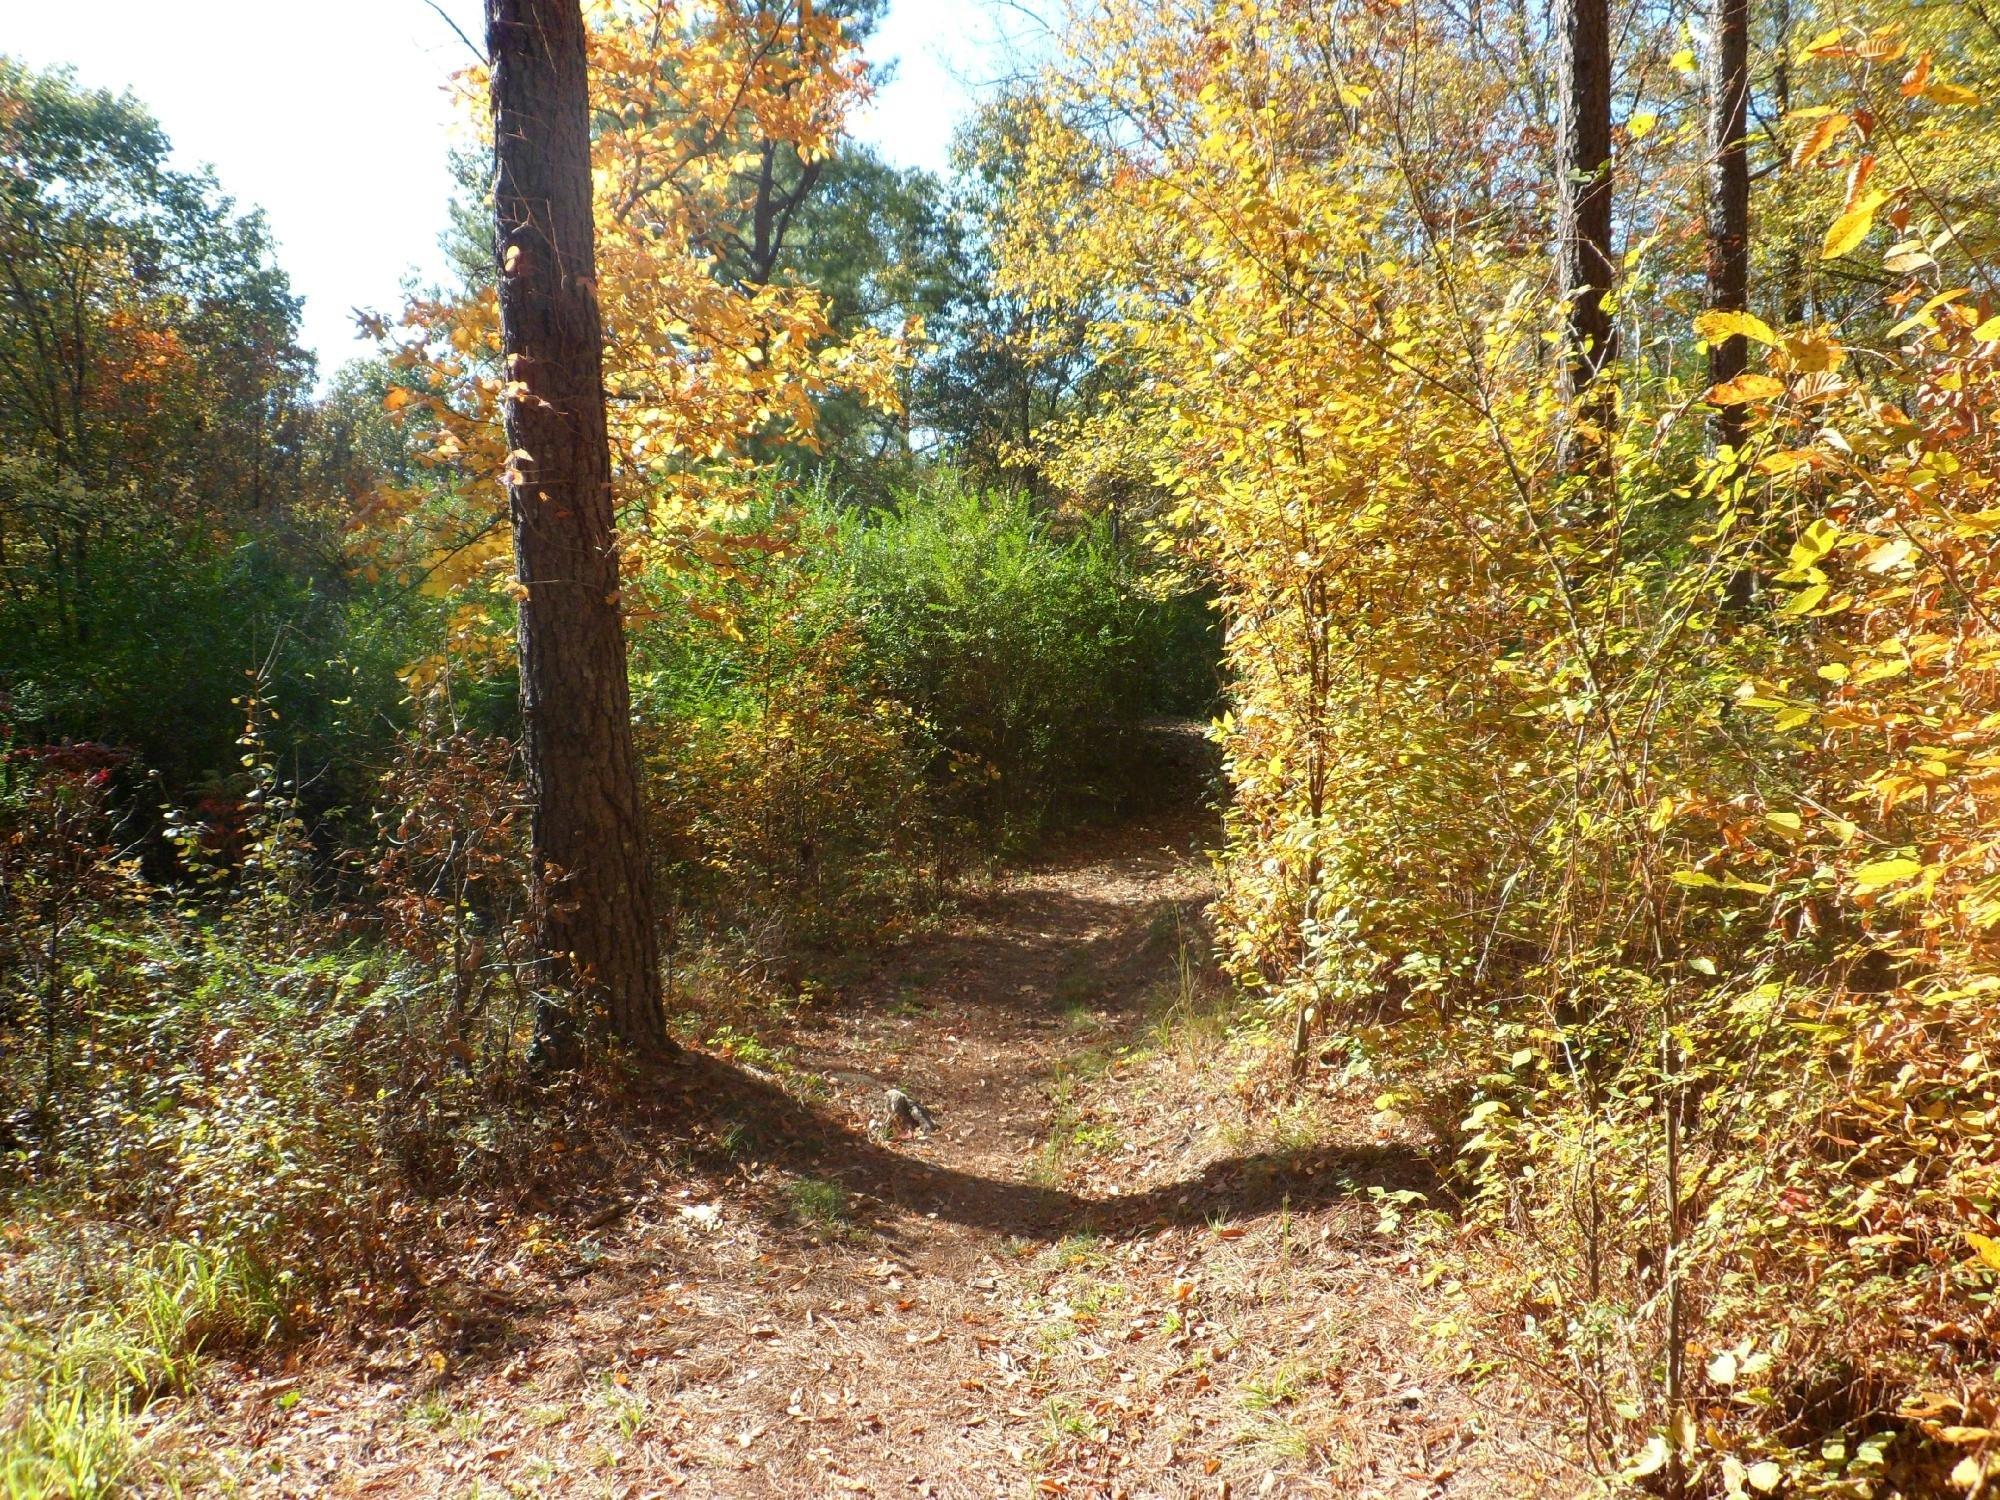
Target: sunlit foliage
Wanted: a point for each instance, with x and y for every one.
(1651, 812)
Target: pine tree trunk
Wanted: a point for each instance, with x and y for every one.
(1728, 195)
(1584, 271)
(593, 885)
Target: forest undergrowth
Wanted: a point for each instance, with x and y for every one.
(1131, 1259)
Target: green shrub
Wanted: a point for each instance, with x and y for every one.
(150, 644)
(859, 701)
(788, 797)
(1032, 646)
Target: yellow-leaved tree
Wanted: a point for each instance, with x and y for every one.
(715, 361)
(1682, 889)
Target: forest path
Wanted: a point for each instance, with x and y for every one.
(1118, 1267)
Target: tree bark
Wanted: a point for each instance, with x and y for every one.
(1728, 250)
(1584, 271)
(593, 884)
(1791, 263)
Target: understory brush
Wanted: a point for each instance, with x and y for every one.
(251, 1063)
(864, 702)
(1622, 773)
(142, 639)
(224, 1109)
(1032, 647)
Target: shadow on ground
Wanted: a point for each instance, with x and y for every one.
(719, 1101)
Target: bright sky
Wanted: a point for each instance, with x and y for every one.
(334, 118)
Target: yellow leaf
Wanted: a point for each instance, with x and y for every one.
(1750, 386)
(1986, 1248)
(1786, 461)
(1683, 61)
(1988, 331)
(1883, 46)
(1950, 93)
(1878, 873)
(1640, 125)
(1806, 354)
(1922, 316)
(1717, 326)
(1852, 227)
(1806, 599)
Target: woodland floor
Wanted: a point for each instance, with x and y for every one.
(1117, 1268)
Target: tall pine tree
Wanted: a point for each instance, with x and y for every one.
(593, 883)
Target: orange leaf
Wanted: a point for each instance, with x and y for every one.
(1857, 179)
(1747, 387)
(1808, 150)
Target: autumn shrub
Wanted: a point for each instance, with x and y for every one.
(63, 866)
(799, 815)
(1637, 810)
(789, 801)
(447, 879)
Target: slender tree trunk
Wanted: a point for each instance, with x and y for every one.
(1584, 270)
(593, 885)
(1728, 195)
(1792, 273)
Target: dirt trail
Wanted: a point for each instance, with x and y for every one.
(1115, 1269)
